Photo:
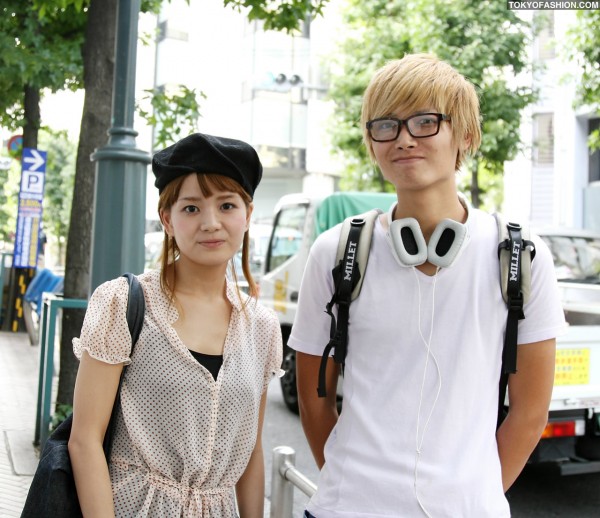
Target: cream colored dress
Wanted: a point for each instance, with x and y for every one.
(182, 439)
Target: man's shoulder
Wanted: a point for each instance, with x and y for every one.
(482, 227)
(331, 237)
(326, 243)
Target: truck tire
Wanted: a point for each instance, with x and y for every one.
(288, 380)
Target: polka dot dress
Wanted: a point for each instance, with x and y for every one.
(183, 439)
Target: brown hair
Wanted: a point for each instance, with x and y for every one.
(208, 184)
(422, 80)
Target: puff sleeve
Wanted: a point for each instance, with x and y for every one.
(105, 333)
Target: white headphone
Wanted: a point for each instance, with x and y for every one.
(410, 249)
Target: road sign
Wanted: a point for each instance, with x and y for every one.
(29, 215)
(15, 143)
(34, 159)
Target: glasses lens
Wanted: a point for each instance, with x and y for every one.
(423, 125)
(384, 129)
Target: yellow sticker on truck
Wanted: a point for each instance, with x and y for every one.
(572, 367)
(280, 295)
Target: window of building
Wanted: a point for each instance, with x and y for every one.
(543, 139)
(545, 41)
(594, 162)
(282, 157)
(167, 31)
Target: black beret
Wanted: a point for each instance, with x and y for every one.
(199, 153)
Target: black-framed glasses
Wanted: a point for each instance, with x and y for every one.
(386, 129)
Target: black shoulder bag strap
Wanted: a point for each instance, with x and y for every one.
(345, 276)
(136, 307)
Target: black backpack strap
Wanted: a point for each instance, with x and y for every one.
(346, 275)
(515, 246)
(136, 307)
(515, 299)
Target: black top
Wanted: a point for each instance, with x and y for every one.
(212, 362)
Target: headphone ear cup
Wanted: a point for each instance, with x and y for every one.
(446, 243)
(408, 244)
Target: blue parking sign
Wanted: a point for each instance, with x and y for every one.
(29, 215)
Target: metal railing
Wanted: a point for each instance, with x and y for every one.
(285, 476)
(51, 306)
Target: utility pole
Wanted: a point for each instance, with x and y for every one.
(121, 168)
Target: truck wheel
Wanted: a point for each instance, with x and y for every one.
(288, 380)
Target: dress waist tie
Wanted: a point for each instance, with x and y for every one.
(194, 501)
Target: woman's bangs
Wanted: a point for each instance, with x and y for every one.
(209, 183)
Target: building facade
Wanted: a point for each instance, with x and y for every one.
(265, 87)
(555, 181)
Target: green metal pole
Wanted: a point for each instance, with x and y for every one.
(121, 169)
(41, 376)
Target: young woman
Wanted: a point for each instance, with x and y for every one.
(188, 435)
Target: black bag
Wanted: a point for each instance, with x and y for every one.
(52, 492)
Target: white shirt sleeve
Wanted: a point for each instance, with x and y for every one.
(310, 332)
(544, 315)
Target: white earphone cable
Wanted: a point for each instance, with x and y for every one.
(427, 343)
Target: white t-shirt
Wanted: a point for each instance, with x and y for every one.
(391, 404)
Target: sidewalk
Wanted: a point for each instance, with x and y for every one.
(18, 399)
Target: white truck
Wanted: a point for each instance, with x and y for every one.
(571, 439)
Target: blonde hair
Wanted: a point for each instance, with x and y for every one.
(209, 183)
(419, 81)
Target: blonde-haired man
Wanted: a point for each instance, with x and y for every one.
(417, 435)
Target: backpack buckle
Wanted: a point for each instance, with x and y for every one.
(357, 221)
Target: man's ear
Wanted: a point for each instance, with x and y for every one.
(165, 219)
(466, 143)
(249, 215)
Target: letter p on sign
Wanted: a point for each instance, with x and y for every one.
(32, 182)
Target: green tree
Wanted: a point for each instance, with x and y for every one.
(481, 39)
(173, 113)
(5, 214)
(583, 47)
(36, 54)
(98, 70)
(283, 15)
(9, 192)
(58, 188)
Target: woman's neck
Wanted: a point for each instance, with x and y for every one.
(199, 281)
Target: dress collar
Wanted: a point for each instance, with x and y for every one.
(231, 291)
